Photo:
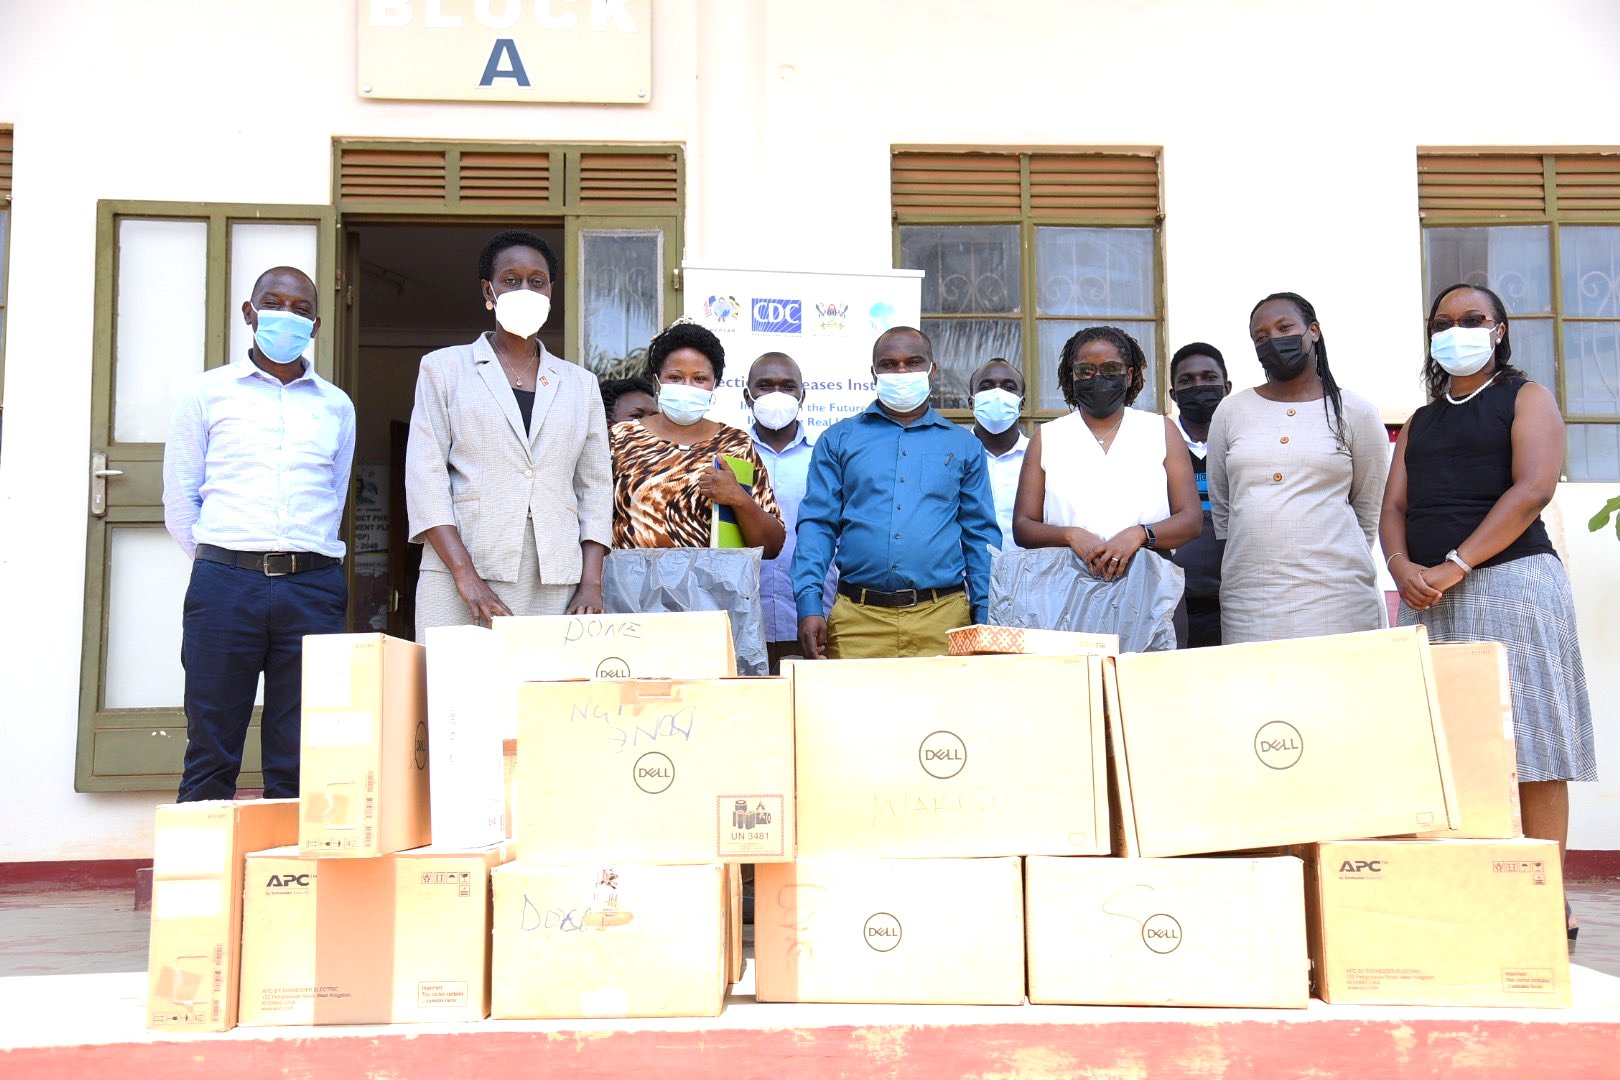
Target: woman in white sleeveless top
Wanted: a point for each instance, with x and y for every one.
(1107, 480)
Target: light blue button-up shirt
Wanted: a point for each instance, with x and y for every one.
(788, 471)
(255, 465)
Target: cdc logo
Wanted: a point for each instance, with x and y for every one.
(778, 316)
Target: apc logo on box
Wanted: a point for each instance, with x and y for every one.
(1361, 866)
(1162, 933)
(943, 754)
(1279, 745)
(882, 932)
(287, 881)
(778, 316)
(654, 773)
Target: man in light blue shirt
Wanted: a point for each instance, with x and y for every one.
(255, 474)
(773, 393)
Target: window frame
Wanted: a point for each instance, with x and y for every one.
(7, 171)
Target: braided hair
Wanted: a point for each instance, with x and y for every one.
(1332, 397)
(1129, 351)
(1435, 378)
(685, 334)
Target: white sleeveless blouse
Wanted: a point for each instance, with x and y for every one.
(1105, 493)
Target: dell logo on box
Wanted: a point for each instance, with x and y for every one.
(943, 754)
(1279, 745)
(778, 316)
(1161, 933)
(613, 667)
(882, 932)
(653, 773)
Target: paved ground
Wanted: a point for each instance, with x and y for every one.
(92, 931)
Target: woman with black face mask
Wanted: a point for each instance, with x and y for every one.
(1296, 478)
(1107, 480)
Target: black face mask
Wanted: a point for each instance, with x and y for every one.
(1102, 395)
(1197, 403)
(1283, 358)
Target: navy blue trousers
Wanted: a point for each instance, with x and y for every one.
(239, 624)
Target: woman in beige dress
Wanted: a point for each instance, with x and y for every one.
(1296, 479)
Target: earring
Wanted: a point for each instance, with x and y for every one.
(489, 305)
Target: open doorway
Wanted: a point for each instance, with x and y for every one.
(417, 290)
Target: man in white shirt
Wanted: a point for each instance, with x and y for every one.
(998, 401)
(1198, 383)
(255, 474)
(774, 393)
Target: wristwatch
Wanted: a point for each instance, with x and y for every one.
(1453, 557)
(1153, 541)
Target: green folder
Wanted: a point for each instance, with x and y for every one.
(724, 529)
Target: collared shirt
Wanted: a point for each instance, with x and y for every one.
(1199, 449)
(903, 507)
(1004, 471)
(255, 465)
(788, 471)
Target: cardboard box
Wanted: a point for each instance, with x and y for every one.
(363, 782)
(686, 645)
(734, 923)
(1224, 932)
(1477, 709)
(656, 772)
(1438, 922)
(1282, 742)
(398, 939)
(909, 931)
(951, 757)
(982, 640)
(583, 941)
(464, 709)
(196, 942)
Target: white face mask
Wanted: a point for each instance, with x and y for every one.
(684, 405)
(522, 311)
(903, 391)
(1463, 350)
(776, 410)
(996, 410)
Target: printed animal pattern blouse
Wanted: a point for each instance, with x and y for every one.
(655, 485)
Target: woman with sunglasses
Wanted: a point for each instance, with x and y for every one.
(1462, 524)
(1107, 480)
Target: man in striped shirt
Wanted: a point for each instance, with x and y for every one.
(255, 473)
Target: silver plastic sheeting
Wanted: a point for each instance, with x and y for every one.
(1051, 589)
(640, 580)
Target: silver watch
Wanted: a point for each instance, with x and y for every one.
(1453, 557)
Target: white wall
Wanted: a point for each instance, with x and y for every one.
(1288, 129)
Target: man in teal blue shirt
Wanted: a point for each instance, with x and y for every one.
(903, 497)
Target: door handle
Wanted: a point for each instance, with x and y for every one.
(98, 483)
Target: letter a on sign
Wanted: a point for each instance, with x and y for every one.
(508, 48)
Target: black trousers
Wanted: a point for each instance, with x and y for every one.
(238, 625)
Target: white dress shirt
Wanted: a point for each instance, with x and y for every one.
(1004, 472)
(1198, 448)
(788, 471)
(255, 465)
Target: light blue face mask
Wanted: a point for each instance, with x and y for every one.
(996, 410)
(904, 391)
(684, 405)
(282, 336)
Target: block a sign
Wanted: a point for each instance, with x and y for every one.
(595, 51)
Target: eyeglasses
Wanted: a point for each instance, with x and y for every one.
(1472, 321)
(1111, 370)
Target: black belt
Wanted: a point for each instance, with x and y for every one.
(903, 598)
(268, 563)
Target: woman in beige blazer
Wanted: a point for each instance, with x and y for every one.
(507, 477)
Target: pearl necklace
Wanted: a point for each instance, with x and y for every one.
(1477, 391)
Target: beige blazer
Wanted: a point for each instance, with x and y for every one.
(470, 464)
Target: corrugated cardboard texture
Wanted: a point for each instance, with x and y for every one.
(656, 772)
(908, 931)
(468, 806)
(363, 781)
(1220, 932)
(398, 939)
(583, 941)
(948, 757)
(1477, 709)
(982, 640)
(1259, 745)
(1439, 922)
(690, 645)
(196, 943)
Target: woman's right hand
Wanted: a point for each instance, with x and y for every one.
(1417, 593)
(480, 598)
(1084, 544)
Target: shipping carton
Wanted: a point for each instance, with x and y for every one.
(734, 922)
(464, 703)
(686, 645)
(196, 942)
(980, 640)
(1438, 922)
(908, 931)
(582, 941)
(656, 771)
(399, 939)
(1224, 932)
(1261, 745)
(363, 784)
(947, 757)
(1477, 709)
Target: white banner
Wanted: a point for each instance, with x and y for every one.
(827, 322)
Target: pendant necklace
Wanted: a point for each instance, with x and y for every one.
(1477, 391)
(516, 380)
(1103, 438)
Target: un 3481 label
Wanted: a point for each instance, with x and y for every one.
(749, 825)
